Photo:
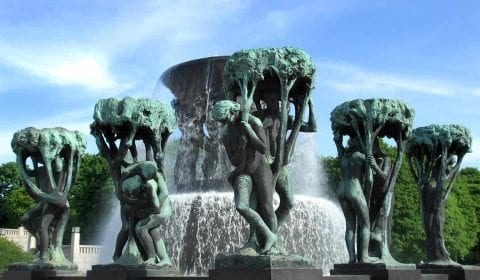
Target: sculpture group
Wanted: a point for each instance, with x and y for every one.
(266, 103)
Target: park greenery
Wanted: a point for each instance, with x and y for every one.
(10, 252)
(92, 199)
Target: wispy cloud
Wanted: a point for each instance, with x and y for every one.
(63, 67)
(348, 78)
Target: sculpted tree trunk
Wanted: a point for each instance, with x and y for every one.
(435, 153)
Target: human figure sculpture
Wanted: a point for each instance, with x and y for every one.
(366, 122)
(352, 199)
(266, 83)
(382, 168)
(268, 111)
(435, 154)
(139, 184)
(55, 154)
(245, 143)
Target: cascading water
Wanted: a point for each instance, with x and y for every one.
(204, 224)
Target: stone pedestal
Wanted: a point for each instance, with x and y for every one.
(41, 271)
(263, 267)
(133, 272)
(454, 272)
(378, 271)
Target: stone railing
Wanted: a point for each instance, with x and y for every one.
(20, 236)
(83, 255)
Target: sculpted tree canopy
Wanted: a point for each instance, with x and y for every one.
(55, 155)
(368, 174)
(435, 154)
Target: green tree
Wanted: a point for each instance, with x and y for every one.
(10, 253)
(91, 198)
(14, 201)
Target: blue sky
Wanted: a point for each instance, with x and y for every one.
(57, 58)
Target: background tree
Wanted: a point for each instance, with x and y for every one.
(10, 252)
(91, 198)
(14, 201)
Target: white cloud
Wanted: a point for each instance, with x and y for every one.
(349, 78)
(64, 67)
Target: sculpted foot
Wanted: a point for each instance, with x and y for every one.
(269, 242)
(151, 261)
(369, 259)
(165, 263)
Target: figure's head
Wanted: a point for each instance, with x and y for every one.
(353, 145)
(58, 164)
(225, 111)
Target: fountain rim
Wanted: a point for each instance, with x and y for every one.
(166, 74)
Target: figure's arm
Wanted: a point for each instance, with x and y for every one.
(338, 138)
(311, 125)
(256, 133)
(152, 196)
(383, 173)
(237, 155)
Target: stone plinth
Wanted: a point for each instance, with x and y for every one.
(454, 272)
(378, 271)
(130, 272)
(41, 271)
(263, 267)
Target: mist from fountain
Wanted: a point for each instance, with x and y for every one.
(204, 224)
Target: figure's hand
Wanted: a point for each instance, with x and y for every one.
(371, 161)
(62, 201)
(245, 126)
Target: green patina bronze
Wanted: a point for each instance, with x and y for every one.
(368, 174)
(435, 153)
(55, 154)
(261, 86)
(140, 184)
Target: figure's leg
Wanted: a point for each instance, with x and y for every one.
(47, 217)
(122, 234)
(142, 229)
(360, 207)
(27, 220)
(61, 219)
(351, 224)
(262, 186)
(160, 249)
(285, 192)
(242, 190)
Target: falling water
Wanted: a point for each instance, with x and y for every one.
(204, 224)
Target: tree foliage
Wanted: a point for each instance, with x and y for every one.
(10, 253)
(91, 198)
(14, 201)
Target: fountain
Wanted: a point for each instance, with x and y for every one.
(206, 222)
(196, 85)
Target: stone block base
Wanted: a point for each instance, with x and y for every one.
(134, 272)
(41, 271)
(266, 274)
(263, 267)
(42, 275)
(377, 271)
(454, 272)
